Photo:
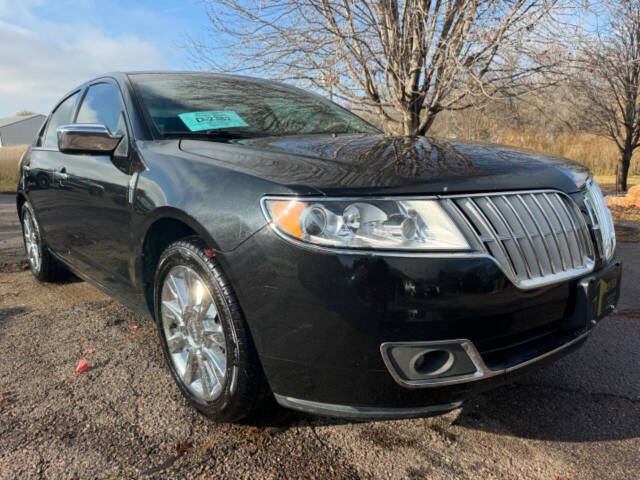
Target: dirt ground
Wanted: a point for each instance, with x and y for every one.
(578, 418)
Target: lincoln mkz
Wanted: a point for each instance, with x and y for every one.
(288, 249)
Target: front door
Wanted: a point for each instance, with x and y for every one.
(96, 194)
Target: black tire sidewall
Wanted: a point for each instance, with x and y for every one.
(180, 255)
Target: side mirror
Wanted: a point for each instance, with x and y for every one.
(87, 138)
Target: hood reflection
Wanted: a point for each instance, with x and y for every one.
(357, 160)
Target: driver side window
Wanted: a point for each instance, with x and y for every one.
(102, 105)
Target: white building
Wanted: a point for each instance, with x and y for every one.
(19, 130)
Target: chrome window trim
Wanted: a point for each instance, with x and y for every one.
(475, 252)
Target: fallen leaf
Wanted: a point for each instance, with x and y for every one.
(6, 394)
(182, 447)
(132, 326)
(83, 366)
(88, 351)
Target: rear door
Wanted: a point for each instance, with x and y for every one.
(43, 174)
(96, 193)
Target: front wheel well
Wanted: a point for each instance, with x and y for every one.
(160, 235)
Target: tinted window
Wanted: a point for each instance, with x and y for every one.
(102, 105)
(201, 104)
(61, 116)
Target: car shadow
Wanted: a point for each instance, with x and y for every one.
(590, 395)
(547, 413)
(7, 313)
(69, 278)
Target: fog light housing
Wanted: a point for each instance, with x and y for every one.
(428, 363)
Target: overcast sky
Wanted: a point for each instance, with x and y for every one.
(48, 47)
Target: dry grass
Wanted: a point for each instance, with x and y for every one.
(9, 159)
(599, 154)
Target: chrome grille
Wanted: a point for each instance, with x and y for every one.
(537, 238)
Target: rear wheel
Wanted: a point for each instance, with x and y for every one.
(204, 336)
(42, 264)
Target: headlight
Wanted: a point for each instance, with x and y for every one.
(601, 218)
(380, 224)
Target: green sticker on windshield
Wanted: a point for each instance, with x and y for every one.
(212, 119)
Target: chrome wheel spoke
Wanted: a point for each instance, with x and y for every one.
(189, 368)
(178, 289)
(194, 289)
(206, 308)
(173, 309)
(205, 377)
(219, 365)
(215, 339)
(177, 343)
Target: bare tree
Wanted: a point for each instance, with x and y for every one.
(404, 60)
(608, 80)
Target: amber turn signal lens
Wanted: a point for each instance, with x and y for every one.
(286, 213)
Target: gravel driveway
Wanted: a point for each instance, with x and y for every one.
(576, 419)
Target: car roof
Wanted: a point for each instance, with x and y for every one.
(123, 74)
(122, 77)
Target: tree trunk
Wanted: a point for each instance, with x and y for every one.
(623, 169)
(410, 123)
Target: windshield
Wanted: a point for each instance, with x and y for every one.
(226, 107)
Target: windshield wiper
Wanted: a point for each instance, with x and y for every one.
(213, 134)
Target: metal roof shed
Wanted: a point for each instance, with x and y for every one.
(19, 130)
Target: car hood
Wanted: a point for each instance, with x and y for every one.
(381, 164)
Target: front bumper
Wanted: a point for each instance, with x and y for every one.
(319, 321)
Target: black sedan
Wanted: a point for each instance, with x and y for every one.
(285, 247)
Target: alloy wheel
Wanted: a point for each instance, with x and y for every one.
(194, 334)
(31, 244)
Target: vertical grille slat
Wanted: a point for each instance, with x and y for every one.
(563, 263)
(489, 228)
(536, 237)
(540, 232)
(507, 201)
(580, 239)
(513, 235)
(564, 230)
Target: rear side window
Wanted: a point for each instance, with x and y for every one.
(61, 116)
(102, 105)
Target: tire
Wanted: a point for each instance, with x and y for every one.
(42, 264)
(192, 324)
